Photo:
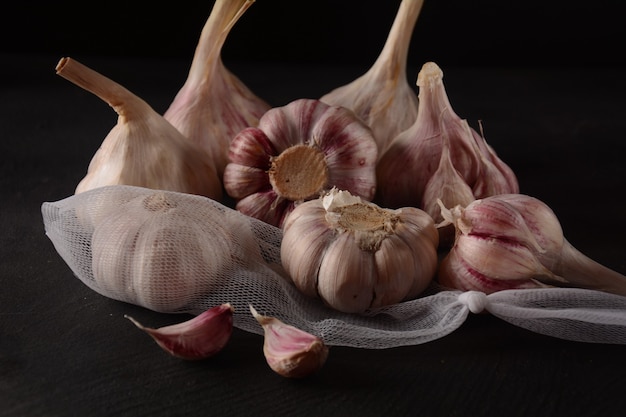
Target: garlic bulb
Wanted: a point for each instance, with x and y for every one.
(298, 152)
(142, 149)
(412, 159)
(355, 255)
(213, 105)
(382, 96)
(164, 250)
(198, 338)
(289, 351)
(516, 241)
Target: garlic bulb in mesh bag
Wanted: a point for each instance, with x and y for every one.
(161, 251)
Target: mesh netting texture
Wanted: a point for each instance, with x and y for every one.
(180, 253)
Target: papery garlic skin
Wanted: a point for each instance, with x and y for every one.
(383, 97)
(142, 149)
(198, 338)
(512, 241)
(354, 255)
(298, 152)
(163, 251)
(413, 157)
(289, 351)
(214, 105)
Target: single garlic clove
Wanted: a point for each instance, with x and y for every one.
(142, 149)
(198, 338)
(298, 152)
(363, 256)
(382, 97)
(289, 351)
(214, 105)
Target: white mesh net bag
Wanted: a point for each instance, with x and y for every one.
(180, 253)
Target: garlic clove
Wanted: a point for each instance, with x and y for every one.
(413, 157)
(198, 338)
(382, 96)
(142, 149)
(289, 351)
(363, 256)
(298, 152)
(213, 105)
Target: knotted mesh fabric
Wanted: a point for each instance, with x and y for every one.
(180, 253)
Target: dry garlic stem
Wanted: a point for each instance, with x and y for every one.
(516, 241)
(142, 149)
(198, 338)
(214, 105)
(382, 97)
(355, 255)
(298, 152)
(413, 157)
(289, 351)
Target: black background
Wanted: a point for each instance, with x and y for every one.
(546, 77)
(450, 32)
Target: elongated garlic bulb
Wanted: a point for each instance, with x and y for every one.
(297, 153)
(142, 149)
(514, 241)
(382, 96)
(413, 157)
(164, 250)
(355, 255)
(213, 105)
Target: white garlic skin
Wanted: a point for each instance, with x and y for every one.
(513, 241)
(163, 251)
(354, 255)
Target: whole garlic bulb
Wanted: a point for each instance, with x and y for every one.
(382, 97)
(297, 153)
(164, 250)
(143, 149)
(355, 255)
(411, 160)
(514, 241)
(213, 105)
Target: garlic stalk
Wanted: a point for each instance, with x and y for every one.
(382, 96)
(213, 104)
(355, 255)
(516, 241)
(198, 338)
(297, 153)
(289, 351)
(142, 149)
(412, 158)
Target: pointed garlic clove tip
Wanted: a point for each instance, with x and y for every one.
(289, 351)
(198, 338)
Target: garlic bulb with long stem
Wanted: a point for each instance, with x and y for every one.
(355, 255)
(516, 241)
(290, 351)
(200, 337)
(297, 153)
(382, 96)
(412, 158)
(142, 149)
(213, 105)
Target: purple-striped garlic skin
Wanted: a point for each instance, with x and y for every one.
(382, 96)
(413, 158)
(512, 241)
(298, 152)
